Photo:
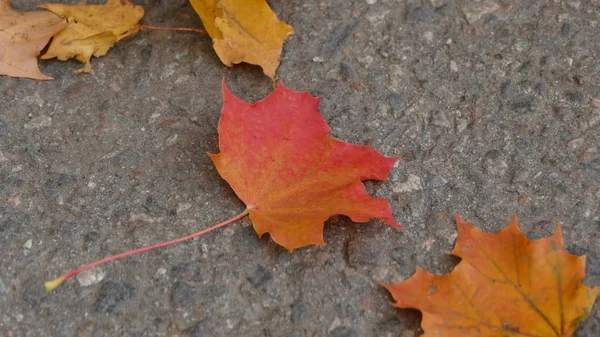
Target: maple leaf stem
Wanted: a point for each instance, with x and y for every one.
(185, 29)
(59, 280)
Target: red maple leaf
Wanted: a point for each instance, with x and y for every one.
(279, 160)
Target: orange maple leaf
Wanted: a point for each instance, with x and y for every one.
(278, 159)
(505, 286)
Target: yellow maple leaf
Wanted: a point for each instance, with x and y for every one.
(244, 31)
(22, 37)
(92, 29)
(505, 286)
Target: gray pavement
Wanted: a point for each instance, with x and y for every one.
(494, 107)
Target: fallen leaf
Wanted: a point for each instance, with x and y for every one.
(505, 285)
(278, 159)
(92, 29)
(22, 37)
(244, 31)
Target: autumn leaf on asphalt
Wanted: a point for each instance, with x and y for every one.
(244, 31)
(279, 160)
(92, 29)
(22, 37)
(505, 286)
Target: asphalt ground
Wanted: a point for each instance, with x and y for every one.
(493, 106)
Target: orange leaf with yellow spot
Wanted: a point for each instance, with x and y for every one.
(505, 286)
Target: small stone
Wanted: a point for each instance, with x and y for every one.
(183, 207)
(298, 313)
(397, 77)
(359, 36)
(318, 59)
(201, 274)
(58, 186)
(20, 317)
(343, 331)
(438, 3)
(413, 183)
(575, 96)
(363, 252)
(177, 270)
(377, 18)
(259, 276)
(3, 288)
(34, 296)
(461, 124)
(520, 45)
(493, 164)
(153, 118)
(451, 237)
(586, 211)
(86, 329)
(366, 60)
(428, 36)
(420, 14)
(453, 66)
(590, 153)
(427, 244)
(371, 2)
(198, 329)
(160, 272)
(172, 140)
(15, 200)
(575, 143)
(90, 276)
(28, 244)
(141, 217)
(89, 238)
(183, 295)
(61, 167)
(436, 182)
(440, 119)
(38, 122)
(474, 11)
(576, 5)
(523, 103)
(594, 118)
(112, 295)
(521, 176)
